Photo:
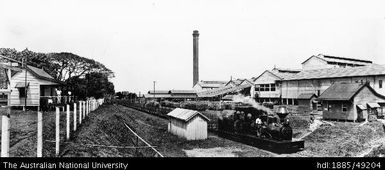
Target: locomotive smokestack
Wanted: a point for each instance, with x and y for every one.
(195, 57)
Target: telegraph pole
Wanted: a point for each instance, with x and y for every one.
(154, 89)
(25, 84)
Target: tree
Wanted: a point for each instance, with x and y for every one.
(94, 85)
(68, 65)
(83, 76)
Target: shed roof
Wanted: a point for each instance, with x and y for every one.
(342, 91)
(185, 114)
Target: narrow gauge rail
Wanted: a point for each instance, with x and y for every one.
(262, 143)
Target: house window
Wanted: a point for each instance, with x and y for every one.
(272, 87)
(22, 92)
(344, 107)
(380, 84)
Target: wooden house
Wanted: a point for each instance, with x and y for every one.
(351, 101)
(188, 124)
(30, 86)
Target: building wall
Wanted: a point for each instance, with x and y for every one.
(196, 129)
(291, 89)
(33, 92)
(177, 127)
(315, 63)
(333, 110)
(366, 96)
(268, 78)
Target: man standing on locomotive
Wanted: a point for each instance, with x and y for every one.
(258, 123)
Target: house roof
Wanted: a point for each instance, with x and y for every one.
(41, 74)
(342, 91)
(335, 59)
(306, 96)
(185, 114)
(370, 70)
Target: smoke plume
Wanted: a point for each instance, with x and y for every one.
(252, 102)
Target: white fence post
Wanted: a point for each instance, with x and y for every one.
(80, 112)
(68, 122)
(5, 132)
(57, 130)
(88, 107)
(39, 152)
(74, 116)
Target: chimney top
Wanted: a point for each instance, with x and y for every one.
(195, 33)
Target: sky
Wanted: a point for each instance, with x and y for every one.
(151, 40)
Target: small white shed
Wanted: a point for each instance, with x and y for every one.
(189, 124)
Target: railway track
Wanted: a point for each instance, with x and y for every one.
(135, 141)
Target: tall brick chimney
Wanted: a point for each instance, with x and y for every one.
(195, 57)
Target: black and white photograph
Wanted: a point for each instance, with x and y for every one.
(192, 78)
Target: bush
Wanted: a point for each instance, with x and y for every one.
(299, 122)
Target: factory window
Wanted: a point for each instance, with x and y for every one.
(272, 87)
(344, 107)
(295, 102)
(262, 87)
(380, 84)
(267, 87)
(290, 102)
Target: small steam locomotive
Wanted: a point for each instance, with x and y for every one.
(260, 128)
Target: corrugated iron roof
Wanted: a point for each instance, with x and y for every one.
(222, 90)
(40, 72)
(182, 92)
(157, 95)
(373, 69)
(336, 59)
(341, 91)
(211, 84)
(185, 114)
(159, 92)
(374, 105)
(362, 107)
